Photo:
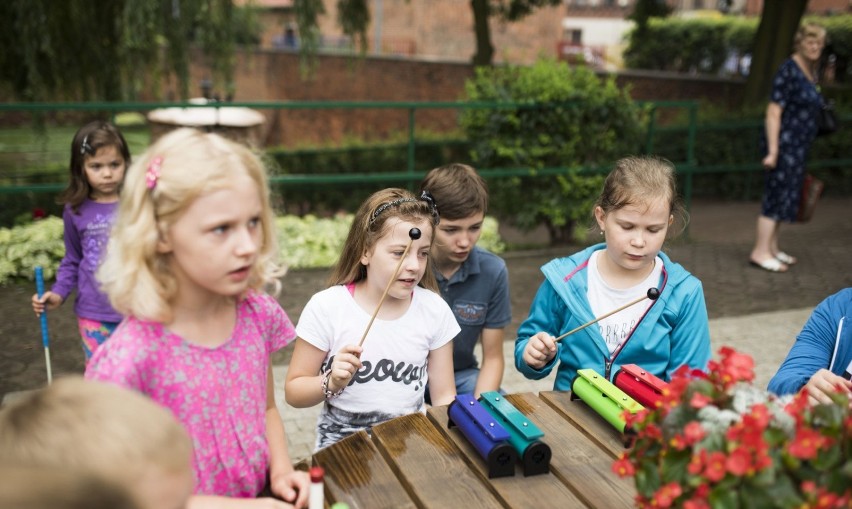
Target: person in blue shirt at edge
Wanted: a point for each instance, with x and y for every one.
(820, 360)
(635, 212)
(472, 280)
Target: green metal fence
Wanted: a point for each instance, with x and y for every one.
(688, 165)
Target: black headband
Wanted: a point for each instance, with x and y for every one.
(424, 196)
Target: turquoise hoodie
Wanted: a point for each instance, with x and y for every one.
(673, 331)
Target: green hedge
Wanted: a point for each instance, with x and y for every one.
(355, 157)
(703, 45)
(308, 242)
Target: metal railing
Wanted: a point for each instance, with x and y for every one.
(687, 168)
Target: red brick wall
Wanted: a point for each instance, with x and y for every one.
(275, 76)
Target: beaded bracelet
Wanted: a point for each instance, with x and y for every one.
(329, 394)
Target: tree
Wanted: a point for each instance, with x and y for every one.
(773, 43)
(353, 17)
(79, 49)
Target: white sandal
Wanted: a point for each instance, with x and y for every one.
(784, 258)
(770, 264)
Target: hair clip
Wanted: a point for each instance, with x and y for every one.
(85, 148)
(433, 207)
(153, 172)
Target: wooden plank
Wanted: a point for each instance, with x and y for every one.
(584, 466)
(356, 473)
(429, 465)
(539, 491)
(586, 419)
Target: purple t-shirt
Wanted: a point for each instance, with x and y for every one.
(218, 394)
(86, 236)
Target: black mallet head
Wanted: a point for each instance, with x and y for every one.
(653, 293)
(414, 234)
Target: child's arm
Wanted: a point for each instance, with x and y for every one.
(68, 271)
(304, 382)
(491, 371)
(442, 383)
(285, 482)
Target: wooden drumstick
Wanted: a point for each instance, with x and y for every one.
(653, 294)
(413, 235)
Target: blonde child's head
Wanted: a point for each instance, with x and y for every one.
(640, 181)
(162, 184)
(27, 487)
(372, 221)
(102, 429)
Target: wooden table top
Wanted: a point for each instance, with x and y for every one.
(417, 461)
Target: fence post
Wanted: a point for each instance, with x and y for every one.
(652, 124)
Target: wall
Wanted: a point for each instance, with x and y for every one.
(275, 76)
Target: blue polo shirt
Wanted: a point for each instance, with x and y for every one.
(478, 294)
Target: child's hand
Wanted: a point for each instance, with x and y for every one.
(293, 487)
(540, 350)
(823, 383)
(50, 299)
(346, 363)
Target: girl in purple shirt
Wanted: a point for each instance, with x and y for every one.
(99, 157)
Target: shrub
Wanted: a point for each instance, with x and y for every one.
(308, 242)
(569, 118)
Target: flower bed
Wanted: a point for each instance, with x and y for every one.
(716, 441)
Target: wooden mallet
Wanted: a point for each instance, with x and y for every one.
(652, 294)
(413, 235)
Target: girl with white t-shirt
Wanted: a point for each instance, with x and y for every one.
(408, 344)
(635, 213)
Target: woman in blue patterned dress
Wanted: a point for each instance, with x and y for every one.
(790, 129)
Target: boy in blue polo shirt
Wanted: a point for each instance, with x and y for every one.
(473, 281)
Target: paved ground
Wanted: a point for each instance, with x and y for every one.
(752, 310)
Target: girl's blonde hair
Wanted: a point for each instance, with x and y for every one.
(639, 180)
(371, 224)
(190, 164)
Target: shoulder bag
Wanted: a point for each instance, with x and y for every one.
(826, 119)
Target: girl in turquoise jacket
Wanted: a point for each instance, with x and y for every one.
(634, 212)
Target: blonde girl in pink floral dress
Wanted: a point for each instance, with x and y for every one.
(188, 259)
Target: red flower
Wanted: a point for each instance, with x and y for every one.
(760, 415)
(735, 367)
(631, 419)
(696, 463)
(693, 432)
(696, 503)
(806, 444)
(623, 467)
(808, 487)
(667, 494)
(651, 431)
(714, 469)
(678, 442)
(739, 462)
(700, 400)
